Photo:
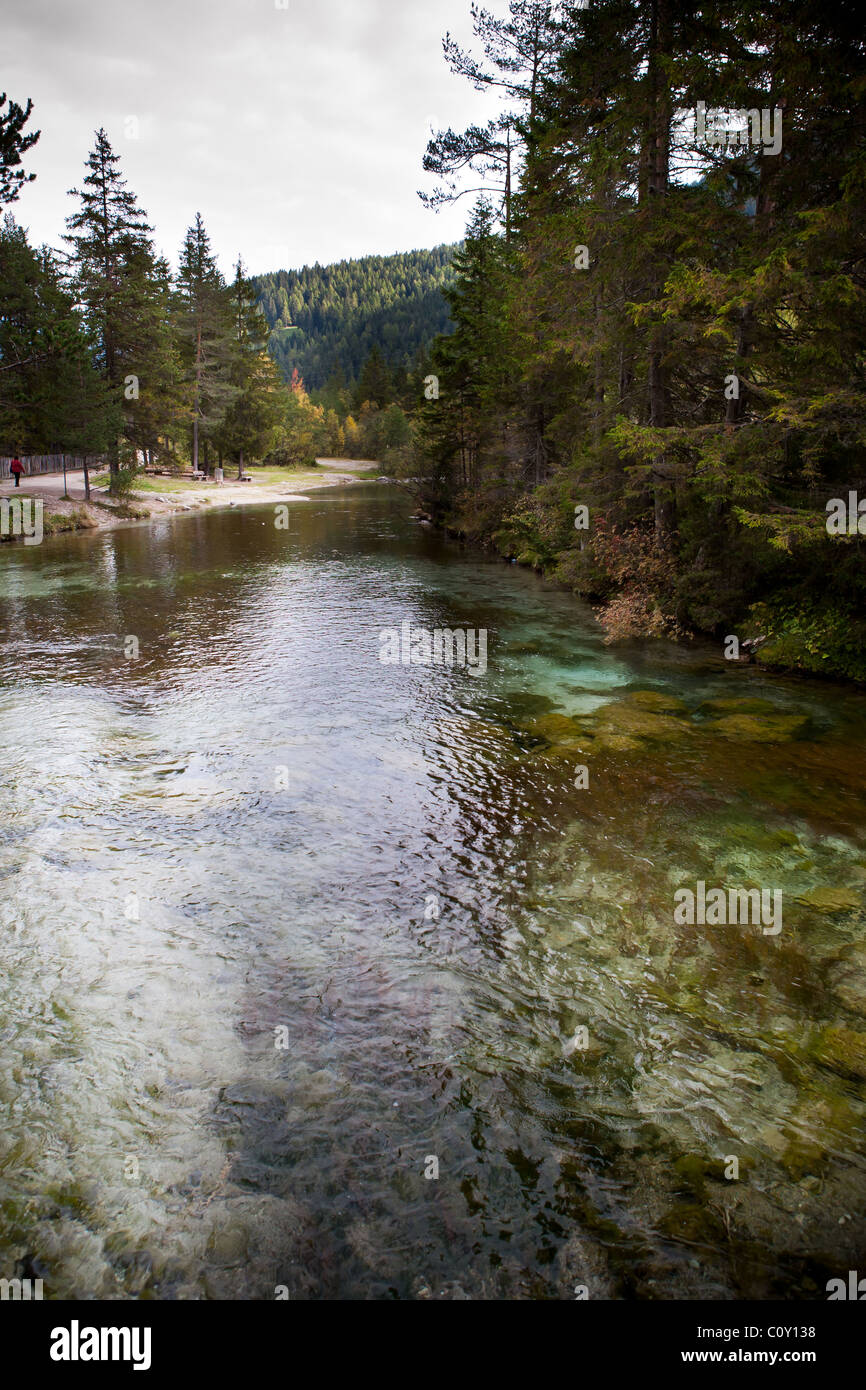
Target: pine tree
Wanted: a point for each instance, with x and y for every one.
(374, 383)
(252, 419)
(206, 333)
(469, 368)
(155, 412)
(519, 52)
(118, 282)
(51, 398)
(13, 144)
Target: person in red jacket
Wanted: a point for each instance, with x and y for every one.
(16, 468)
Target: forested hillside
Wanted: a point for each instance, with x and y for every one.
(657, 382)
(327, 319)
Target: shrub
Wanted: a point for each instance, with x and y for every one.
(645, 579)
(123, 482)
(820, 637)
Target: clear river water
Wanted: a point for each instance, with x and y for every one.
(323, 978)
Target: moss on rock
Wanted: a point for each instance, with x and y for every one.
(759, 728)
(552, 728)
(843, 1051)
(737, 704)
(624, 718)
(656, 701)
(829, 898)
(811, 1131)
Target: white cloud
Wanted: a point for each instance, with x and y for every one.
(297, 133)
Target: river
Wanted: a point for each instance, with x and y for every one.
(297, 947)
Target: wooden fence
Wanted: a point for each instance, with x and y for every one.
(50, 463)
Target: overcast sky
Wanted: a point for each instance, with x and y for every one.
(297, 132)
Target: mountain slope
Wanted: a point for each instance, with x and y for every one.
(324, 316)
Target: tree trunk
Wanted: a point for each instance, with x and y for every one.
(508, 185)
(196, 399)
(654, 189)
(598, 383)
(735, 405)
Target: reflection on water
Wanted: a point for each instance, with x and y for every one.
(281, 925)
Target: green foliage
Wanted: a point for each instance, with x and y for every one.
(206, 338)
(51, 396)
(122, 484)
(326, 320)
(696, 375)
(112, 356)
(13, 144)
(811, 635)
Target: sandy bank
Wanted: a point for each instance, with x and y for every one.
(73, 512)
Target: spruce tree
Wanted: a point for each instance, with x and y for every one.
(206, 334)
(252, 419)
(118, 283)
(51, 398)
(374, 383)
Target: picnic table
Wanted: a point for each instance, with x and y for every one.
(195, 473)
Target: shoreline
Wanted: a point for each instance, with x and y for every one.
(74, 514)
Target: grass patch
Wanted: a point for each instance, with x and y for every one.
(145, 484)
(54, 523)
(261, 477)
(280, 477)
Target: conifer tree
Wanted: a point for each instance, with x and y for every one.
(374, 383)
(118, 283)
(252, 419)
(51, 398)
(206, 334)
(13, 144)
(519, 52)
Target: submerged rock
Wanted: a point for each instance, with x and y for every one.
(620, 743)
(523, 705)
(830, 898)
(737, 704)
(553, 728)
(763, 837)
(569, 750)
(846, 977)
(760, 728)
(692, 1223)
(619, 726)
(630, 719)
(555, 736)
(843, 1051)
(582, 1263)
(811, 1131)
(656, 701)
